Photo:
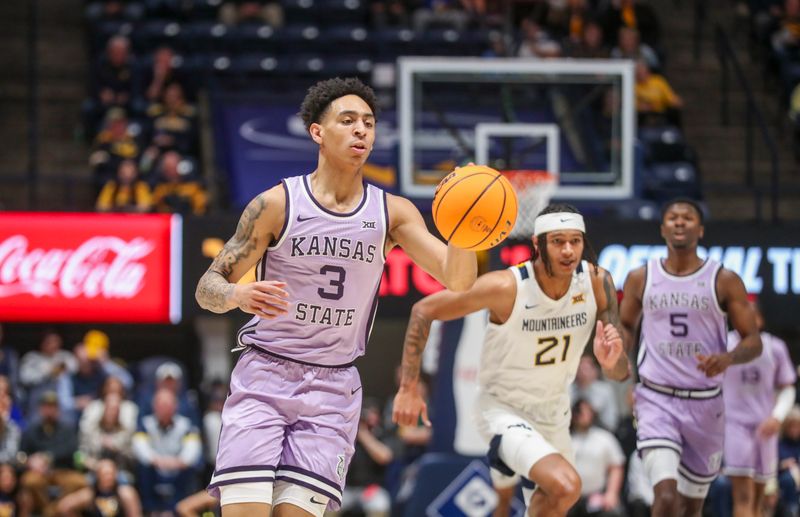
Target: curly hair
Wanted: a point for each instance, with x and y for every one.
(321, 95)
(541, 240)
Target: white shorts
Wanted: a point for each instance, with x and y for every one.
(495, 418)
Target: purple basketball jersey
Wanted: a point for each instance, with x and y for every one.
(332, 265)
(681, 318)
(749, 389)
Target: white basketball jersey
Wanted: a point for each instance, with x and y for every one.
(529, 361)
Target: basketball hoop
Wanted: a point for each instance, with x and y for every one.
(533, 189)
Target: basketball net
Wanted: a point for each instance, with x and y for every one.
(533, 189)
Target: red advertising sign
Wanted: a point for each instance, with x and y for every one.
(66, 267)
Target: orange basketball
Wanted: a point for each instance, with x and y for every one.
(474, 207)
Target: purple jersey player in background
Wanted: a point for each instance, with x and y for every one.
(318, 243)
(682, 303)
(758, 396)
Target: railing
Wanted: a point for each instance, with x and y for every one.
(754, 120)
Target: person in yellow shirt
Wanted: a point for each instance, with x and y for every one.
(125, 193)
(177, 192)
(656, 102)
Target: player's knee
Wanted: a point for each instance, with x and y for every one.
(295, 495)
(562, 487)
(666, 496)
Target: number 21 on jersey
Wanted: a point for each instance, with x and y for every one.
(548, 351)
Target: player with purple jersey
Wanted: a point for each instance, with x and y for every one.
(682, 303)
(758, 396)
(318, 243)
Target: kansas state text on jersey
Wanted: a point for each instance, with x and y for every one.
(681, 318)
(332, 265)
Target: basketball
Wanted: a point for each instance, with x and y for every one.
(474, 207)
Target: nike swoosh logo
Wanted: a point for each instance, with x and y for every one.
(300, 219)
(317, 502)
(353, 391)
(531, 306)
(564, 220)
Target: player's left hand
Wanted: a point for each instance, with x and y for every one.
(607, 345)
(768, 427)
(713, 365)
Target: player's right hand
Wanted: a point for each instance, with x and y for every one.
(408, 407)
(266, 299)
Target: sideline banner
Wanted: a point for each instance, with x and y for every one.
(71, 267)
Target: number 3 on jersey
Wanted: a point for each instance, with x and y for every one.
(545, 345)
(336, 280)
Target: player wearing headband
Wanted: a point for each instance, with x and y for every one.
(542, 313)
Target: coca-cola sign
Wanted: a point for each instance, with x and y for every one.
(90, 267)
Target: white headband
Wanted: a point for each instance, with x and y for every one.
(558, 221)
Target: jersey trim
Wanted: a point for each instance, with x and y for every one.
(682, 278)
(361, 204)
(717, 305)
(289, 359)
(288, 213)
(385, 224)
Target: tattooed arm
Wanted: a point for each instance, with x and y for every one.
(495, 291)
(217, 289)
(608, 345)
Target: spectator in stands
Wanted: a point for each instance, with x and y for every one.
(112, 145)
(50, 444)
(440, 13)
(9, 364)
(12, 411)
(112, 78)
(599, 393)
(48, 369)
(536, 43)
(787, 37)
(176, 191)
(127, 192)
(656, 102)
(635, 14)
(169, 375)
(110, 437)
(104, 497)
(391, 13)
(567, 19)
(629, 46)
(94, 366)
(600, 463)
(590, 45)
(172, 124)
(10, 434)
(167, 449)
(237, 12)
(161, 75)
(497, 46)
(363, 491)
(789, 462)
(9, 491)
(128, 412)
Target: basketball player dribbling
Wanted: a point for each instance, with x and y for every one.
(682, 302)
(541, 316)
(319, 243)
(758, 397)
